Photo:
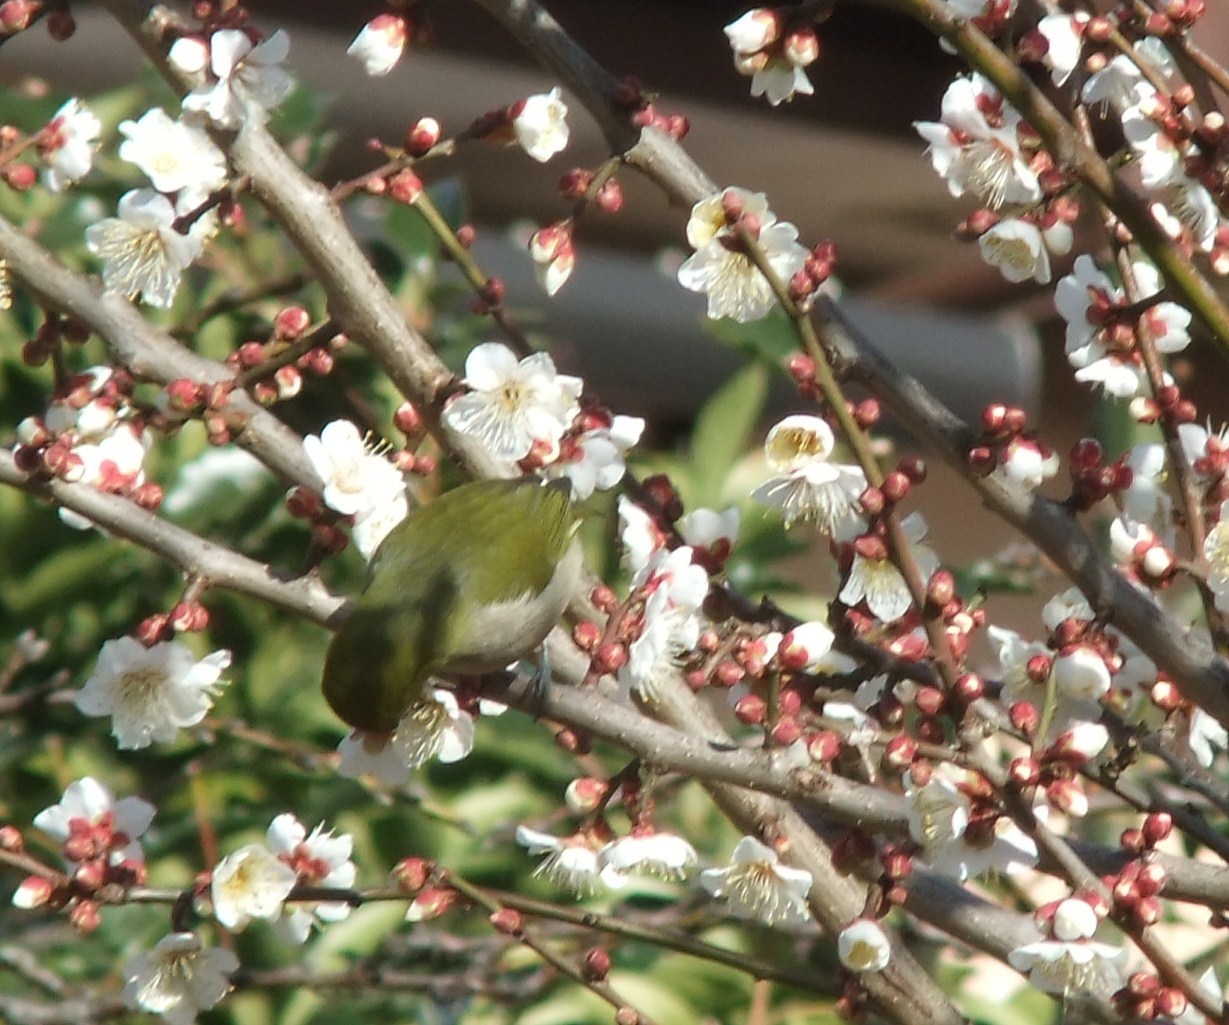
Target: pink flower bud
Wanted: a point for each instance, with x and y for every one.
(610, 657)
(1024, 772)
(1171, 1002)
(801, 47)
(900, 752)
(405, 187)
(90, 875)
(508, 921)
(596, 964)
(785, 732)
(290, 323)
(378, 47)
(1068, 797)
(1081, 743)
(1152, 878)
(432, 902)
(824, 746)
(85, 916)
(751, 709)
(33, 892)
(423, 136)
(755, 30)
(411, 874)
(585, 794)
(1157, 827)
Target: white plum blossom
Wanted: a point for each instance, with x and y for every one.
(151, 693)
(142, 253)
(113, 458)
(1188, 210)
(512, 404)
(753, 30)
(1201, 443)
(1069, 604)
(67, 144)
(879, 582)
(249, 79)
(189, 55)
(755, 884)
(807, 485)
(435, 727)
(596, 460)
(1027, 463)
(1064, 34)
(1121, 374)
(1145, 500)
(775, 65)
(1206, 736)
(975, 147)
(358, 482)
(719, 268)
(1134, 543)
(776, 78)
(571, 863)
(380, 43)
(88, 803)
(939, 820)
(1085, 740)
(938, 812)
(1081, 678)
(1121, 84)
(1074, 295)
(178, 978)
(174, 155)
(1216, 554)
(805, 646)
(1014, 653)
(1016, 247)
(703, 528)
(657, 854)
(863, 946)
(638, 534)
(318, 859)
(371, 529)
(1071, 962)
(540, 125)
(676, 587)
(1160, 158)
(1168, 325)
(553, 255)
(253, 882)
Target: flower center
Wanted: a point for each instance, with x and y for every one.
(511, 396)
(139, 685)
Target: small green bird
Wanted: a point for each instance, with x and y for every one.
(467, 583)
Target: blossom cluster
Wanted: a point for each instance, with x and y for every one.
(773, 57)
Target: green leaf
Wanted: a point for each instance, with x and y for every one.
(724, 431)
(771, 340)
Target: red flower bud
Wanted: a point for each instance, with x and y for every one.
(1157, 827)
(290, 323)
(751, 709)
(610, 657)
(411, 874)
(507, 920)
(596, 964)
